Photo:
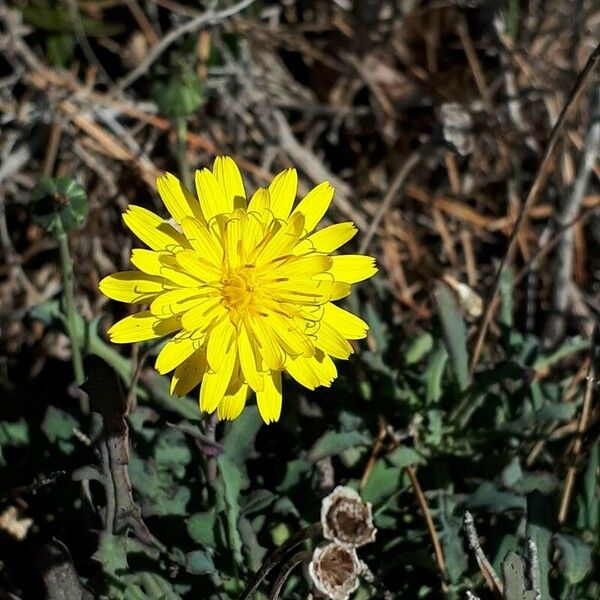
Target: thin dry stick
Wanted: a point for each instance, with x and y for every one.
(435, 540)
(409, 164)
(208, 18)
(285, 572)
(314, 530)
(381, 435)
(52, 149)
(490, 576)
(539, 181)
(584, 418)
(563, 274)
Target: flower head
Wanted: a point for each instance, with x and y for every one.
(334, 570)
(246, 287)
(346, 519)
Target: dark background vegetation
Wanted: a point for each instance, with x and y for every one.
(431, 120)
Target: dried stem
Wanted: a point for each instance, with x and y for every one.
(277, 556)
(437, 546)
(530, 200)
(285, 572)
(490, 576)
(581, 429)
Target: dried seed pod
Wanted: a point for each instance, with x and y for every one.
(346, 519)
(334, 570)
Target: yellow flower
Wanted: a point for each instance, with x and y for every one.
(246, 287)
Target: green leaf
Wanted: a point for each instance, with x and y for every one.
(234, 482)
(455, 334)
(111, 554)
(257, 501)
(571, 346)
(180, 95)
(252, 549)
(383, 481)
(434, 374)
(576, 557)
(59, 427)
(377, 328)
(172, 452)
(418, 348)
(294, 472)
(334, 442)
(591, 503)
(199, 562)
(160, 494)
(201, 528)
(59, 49)
(238, 441)
(58, 19)
(58, 205)
(14, 434)
(488, 496)
(404, 456)
(540, 524)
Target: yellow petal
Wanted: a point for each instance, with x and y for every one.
(349, 325)
(294, 341)
(228, 175)
(260, 201)
(303, 291)
(283, 241)
(179, 201)
(270, 350)
(352, 268)
(203, 241)
(196, 266)
(269, 399)
(189, 373)
(152, 230)
(282, 191)
(220, 342)
(327, 239)
(323, 367)
(332, 342)
(201, 316)
(214, 384)
(299, 368)
(299, 266)
(315, 204)
(140, 327)
(249, 362)
(314, 371)
(340, 290)
(234, 401)
(132, 286)
(147, 261)
(213, 201)
(233, 235)
(176, 302)
(175, 351)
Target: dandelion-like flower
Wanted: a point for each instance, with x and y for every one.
(247, 287)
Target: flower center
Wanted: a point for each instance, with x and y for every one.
(238, 288)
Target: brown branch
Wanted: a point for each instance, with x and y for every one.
(314, 530)
(584, 418)
(108, 399)
(58, 573)
(435, 540)
(536, 188)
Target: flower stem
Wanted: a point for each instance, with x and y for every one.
(181, 151)
(71, 315)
